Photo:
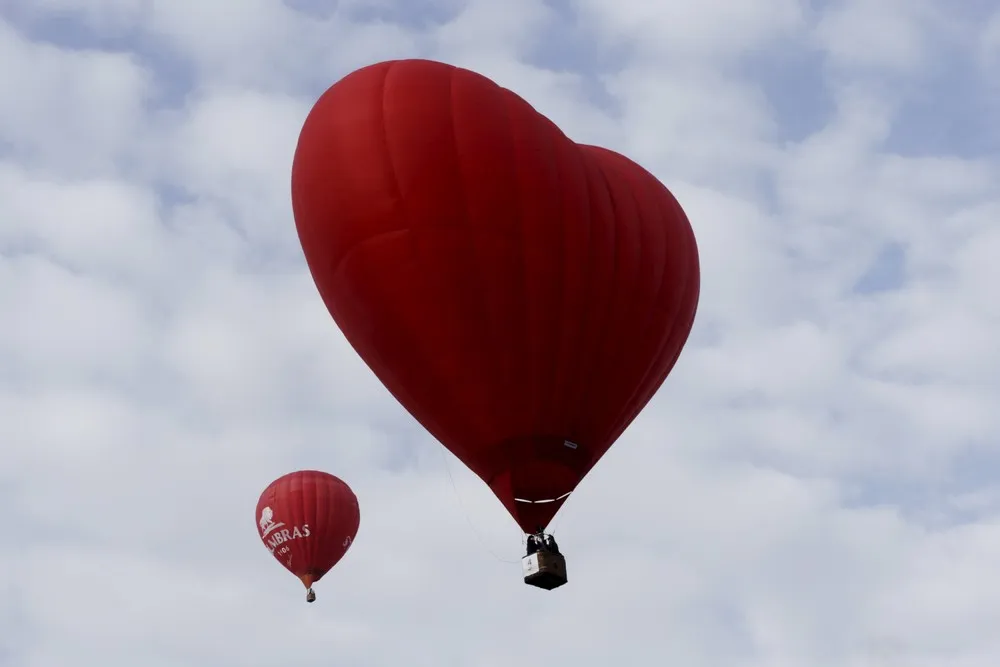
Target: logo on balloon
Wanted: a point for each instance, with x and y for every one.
(267, 524)
(278, 541)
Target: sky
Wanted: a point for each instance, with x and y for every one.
(815, 485)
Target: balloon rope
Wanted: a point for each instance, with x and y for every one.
(468, 519)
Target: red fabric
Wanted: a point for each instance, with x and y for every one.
(308, 520)
(512, 289)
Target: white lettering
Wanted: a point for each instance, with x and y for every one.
(281, 538)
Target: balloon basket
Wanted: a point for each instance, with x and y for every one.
(544, 569)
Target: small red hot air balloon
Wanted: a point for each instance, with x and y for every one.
(308, 520)
(521, 295)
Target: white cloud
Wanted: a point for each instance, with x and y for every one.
(72, 111)
(82, 224)
(812, 486)
(705, 30)
(886, 35)
(233, 148)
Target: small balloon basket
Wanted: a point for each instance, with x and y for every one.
(544, 569)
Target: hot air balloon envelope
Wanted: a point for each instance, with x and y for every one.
(521, 295)
(308, 520)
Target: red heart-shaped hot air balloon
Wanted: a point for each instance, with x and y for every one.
(521, 295)
(308, 520)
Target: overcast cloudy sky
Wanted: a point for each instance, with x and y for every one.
(814, 486)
